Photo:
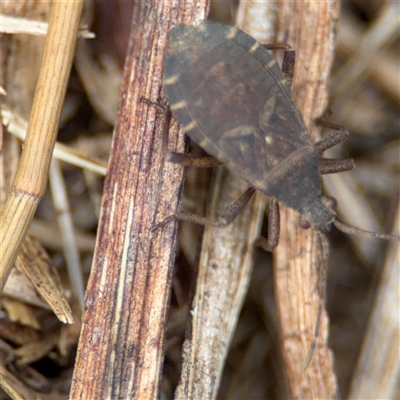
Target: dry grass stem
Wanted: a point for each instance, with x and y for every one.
(66, 228)
(17, 25)
(17, 125)
(31, 178)
(35, 264)
(298, 252)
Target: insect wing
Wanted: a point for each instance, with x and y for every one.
(230, 97)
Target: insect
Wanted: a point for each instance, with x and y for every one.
(232, 98)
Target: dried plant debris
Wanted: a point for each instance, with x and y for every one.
(37, 349)
(40, 315)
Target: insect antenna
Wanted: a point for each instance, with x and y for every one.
(352, 230)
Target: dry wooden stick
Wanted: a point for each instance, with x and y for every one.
(31, 178)
(307, 27)
(121, 347)
(225, 267)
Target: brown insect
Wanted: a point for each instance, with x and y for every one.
(231, 97)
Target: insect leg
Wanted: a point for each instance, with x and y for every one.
(332, 166)
(330, 140)
(224, 219)
(269, 243)
(289, 58)
(333, 138)
(186, 160)
(288, 64)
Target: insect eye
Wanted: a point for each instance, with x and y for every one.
(331, 203)
(305, 224)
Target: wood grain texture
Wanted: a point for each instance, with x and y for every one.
(30, 181)
(308, 27)
(120, 352)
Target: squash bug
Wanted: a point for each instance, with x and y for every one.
(232, 98)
